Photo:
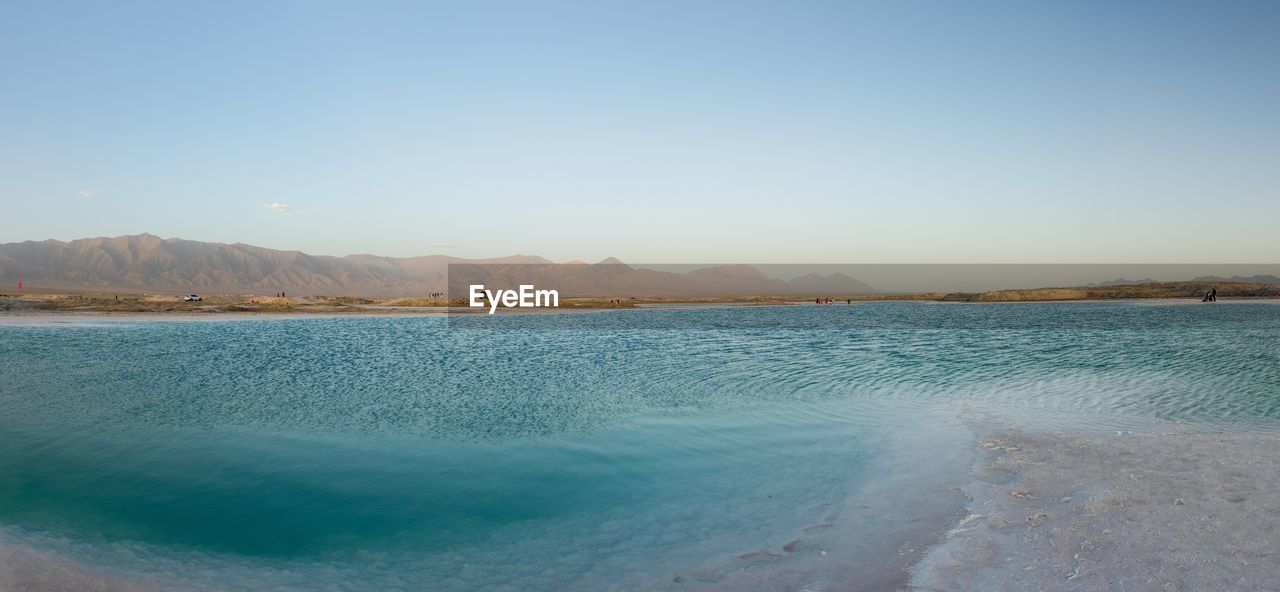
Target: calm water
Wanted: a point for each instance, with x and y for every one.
(627, 450)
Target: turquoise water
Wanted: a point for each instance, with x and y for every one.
(624, 450)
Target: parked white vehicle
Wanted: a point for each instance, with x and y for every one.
(193, 298)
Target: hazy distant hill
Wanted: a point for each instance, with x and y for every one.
(148, 263)
(611, 278)
(836, 283)
(1253, 279)
(1124, 282)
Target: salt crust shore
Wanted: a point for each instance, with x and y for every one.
(26, 570)
(1171, 508)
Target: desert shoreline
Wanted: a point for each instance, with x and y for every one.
(28, 315)
(133, 304)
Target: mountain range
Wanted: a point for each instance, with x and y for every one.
(148, 263)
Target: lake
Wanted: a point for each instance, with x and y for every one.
(716, 448)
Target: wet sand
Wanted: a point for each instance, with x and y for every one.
(1172, 508)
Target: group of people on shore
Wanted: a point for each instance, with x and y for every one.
(829, 300)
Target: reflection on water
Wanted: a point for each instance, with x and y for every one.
(727, 448)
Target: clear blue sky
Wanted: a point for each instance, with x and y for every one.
(651, 131)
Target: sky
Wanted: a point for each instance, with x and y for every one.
(768, 132)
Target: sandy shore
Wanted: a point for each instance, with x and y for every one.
(169, 304)
(1174, 508)
(119, 304)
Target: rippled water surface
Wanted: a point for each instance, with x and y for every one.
(732, 448)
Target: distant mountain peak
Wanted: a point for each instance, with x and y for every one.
(147, 263)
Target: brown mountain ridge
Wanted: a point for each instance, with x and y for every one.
(148, 263)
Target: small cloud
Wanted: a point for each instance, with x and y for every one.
(445, 246)
(87, 193)
(281, 208)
